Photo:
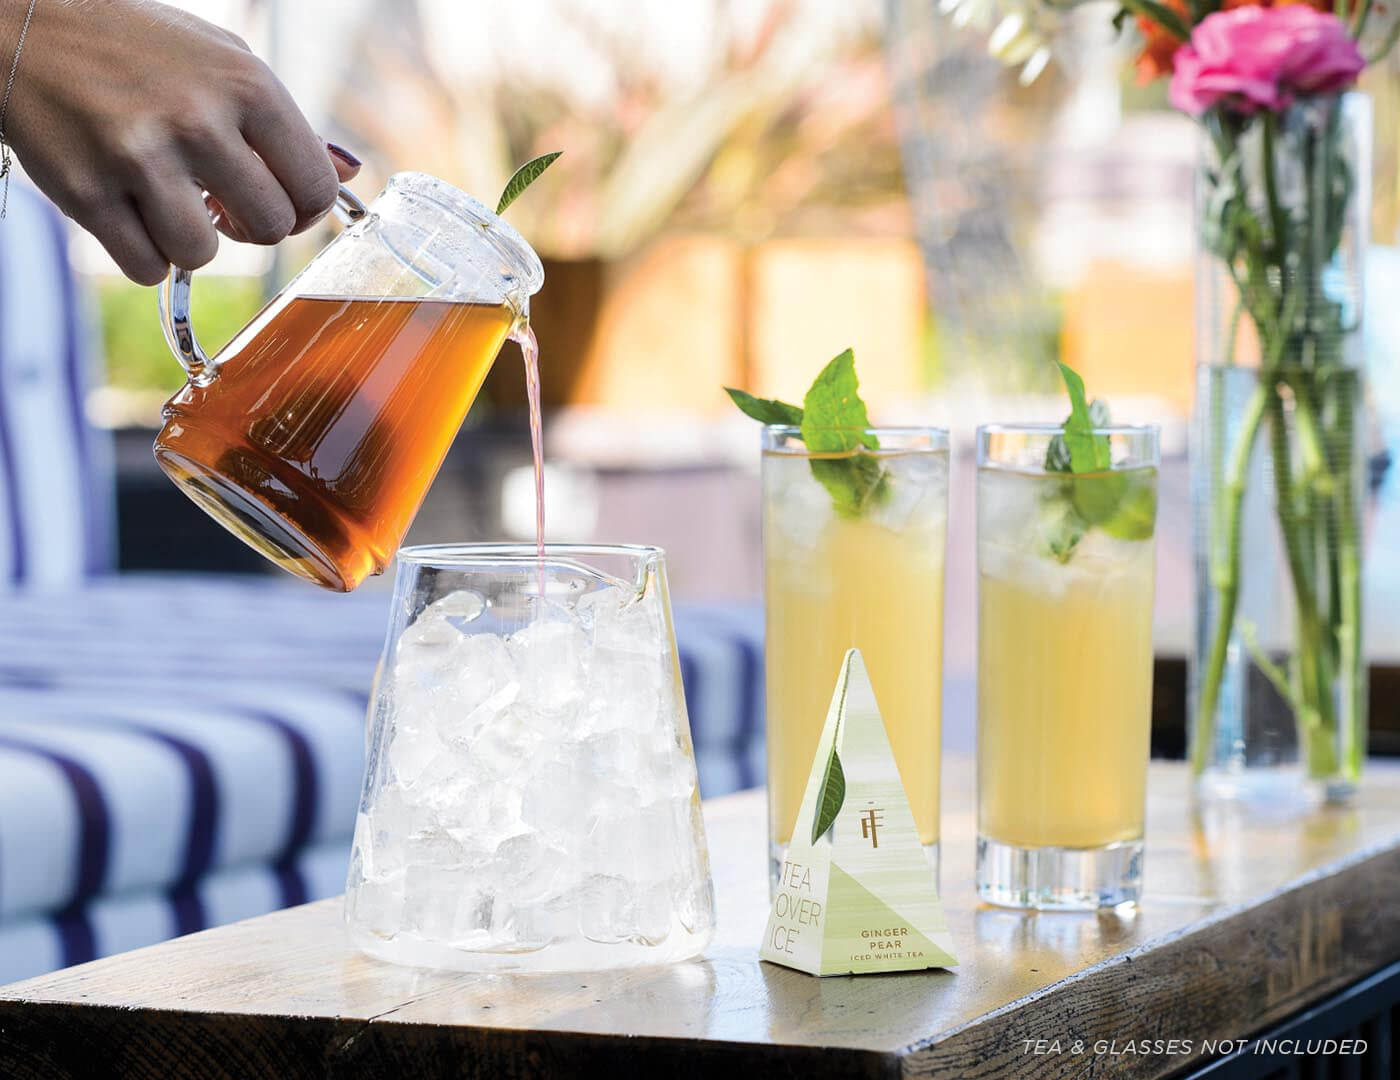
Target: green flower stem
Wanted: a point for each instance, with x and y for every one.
(1227, 583)
(1314, 669)
(1277, 255)
(1278, 223)
(1351, 663)
(1363, 13)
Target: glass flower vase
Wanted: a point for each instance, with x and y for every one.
(1278, 676)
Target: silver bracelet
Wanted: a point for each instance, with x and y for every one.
(5, 107)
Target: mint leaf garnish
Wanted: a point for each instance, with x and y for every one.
(1061, 527)
(1057, 458)
(1088, 452)
(524, 176)
(833, 414)
(834, 420)
(1092, 495)
(852, 482)
(765, 410)
(1135, 516)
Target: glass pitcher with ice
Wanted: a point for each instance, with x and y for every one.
(530, 801)
(314, 434)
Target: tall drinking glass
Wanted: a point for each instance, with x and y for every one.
(863, 572)
(530, 800)
(1064, 668)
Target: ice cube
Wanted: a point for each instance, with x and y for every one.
(605, 908)
(429, 632)
(622, 623)
(378, 904)
(614, 754)
(695, 902)
(458, 608)
(914, 494)
(652, 916)
(800, 510)
(667, 772)
(550, 656)
(556, 797)
(412, 749)
(505, 747)
(381, 833)
(445, 904)
(527, 869)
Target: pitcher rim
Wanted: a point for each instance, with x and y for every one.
(498, 232)
(471, 554)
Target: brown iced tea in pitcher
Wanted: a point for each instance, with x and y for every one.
(327, 422)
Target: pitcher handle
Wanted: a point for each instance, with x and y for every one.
(174, 301)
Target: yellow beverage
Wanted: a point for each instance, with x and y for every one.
(873, 582)
(1064, 682)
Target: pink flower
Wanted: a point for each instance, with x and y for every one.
(1255, 58)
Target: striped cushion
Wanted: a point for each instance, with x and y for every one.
(155, 729)
(38, 943)
(56, 490)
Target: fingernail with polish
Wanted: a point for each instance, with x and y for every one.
(344, 155)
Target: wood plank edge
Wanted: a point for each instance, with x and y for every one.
(1232, 975)
(68, 1041)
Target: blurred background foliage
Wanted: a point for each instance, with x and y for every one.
(759, 125)
(137, 357)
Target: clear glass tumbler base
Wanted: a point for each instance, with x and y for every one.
(776, 851)
(1055, 878)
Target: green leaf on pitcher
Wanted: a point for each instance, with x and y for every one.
(830, 796)
(765, 410)
(524, 176)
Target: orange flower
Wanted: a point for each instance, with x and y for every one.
(1160, 45)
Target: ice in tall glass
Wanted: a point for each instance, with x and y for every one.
(1064, 687)
(869, 578)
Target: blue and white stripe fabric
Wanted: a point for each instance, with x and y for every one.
(166, 741)
(56, 491)
(34, 944)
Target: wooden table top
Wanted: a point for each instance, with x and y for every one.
(1243, 924)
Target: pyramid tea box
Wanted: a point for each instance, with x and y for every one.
(856, 893)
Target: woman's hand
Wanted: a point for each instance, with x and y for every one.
(127, 112)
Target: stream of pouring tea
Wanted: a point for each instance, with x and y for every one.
(530, 350)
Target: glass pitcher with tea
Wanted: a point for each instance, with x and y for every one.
(315, 433)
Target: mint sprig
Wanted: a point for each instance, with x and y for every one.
(833, 420)
(523, 177)
(1121, 504)
(1086, 450)
(765, 410)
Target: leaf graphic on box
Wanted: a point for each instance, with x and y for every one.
(830, 797)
